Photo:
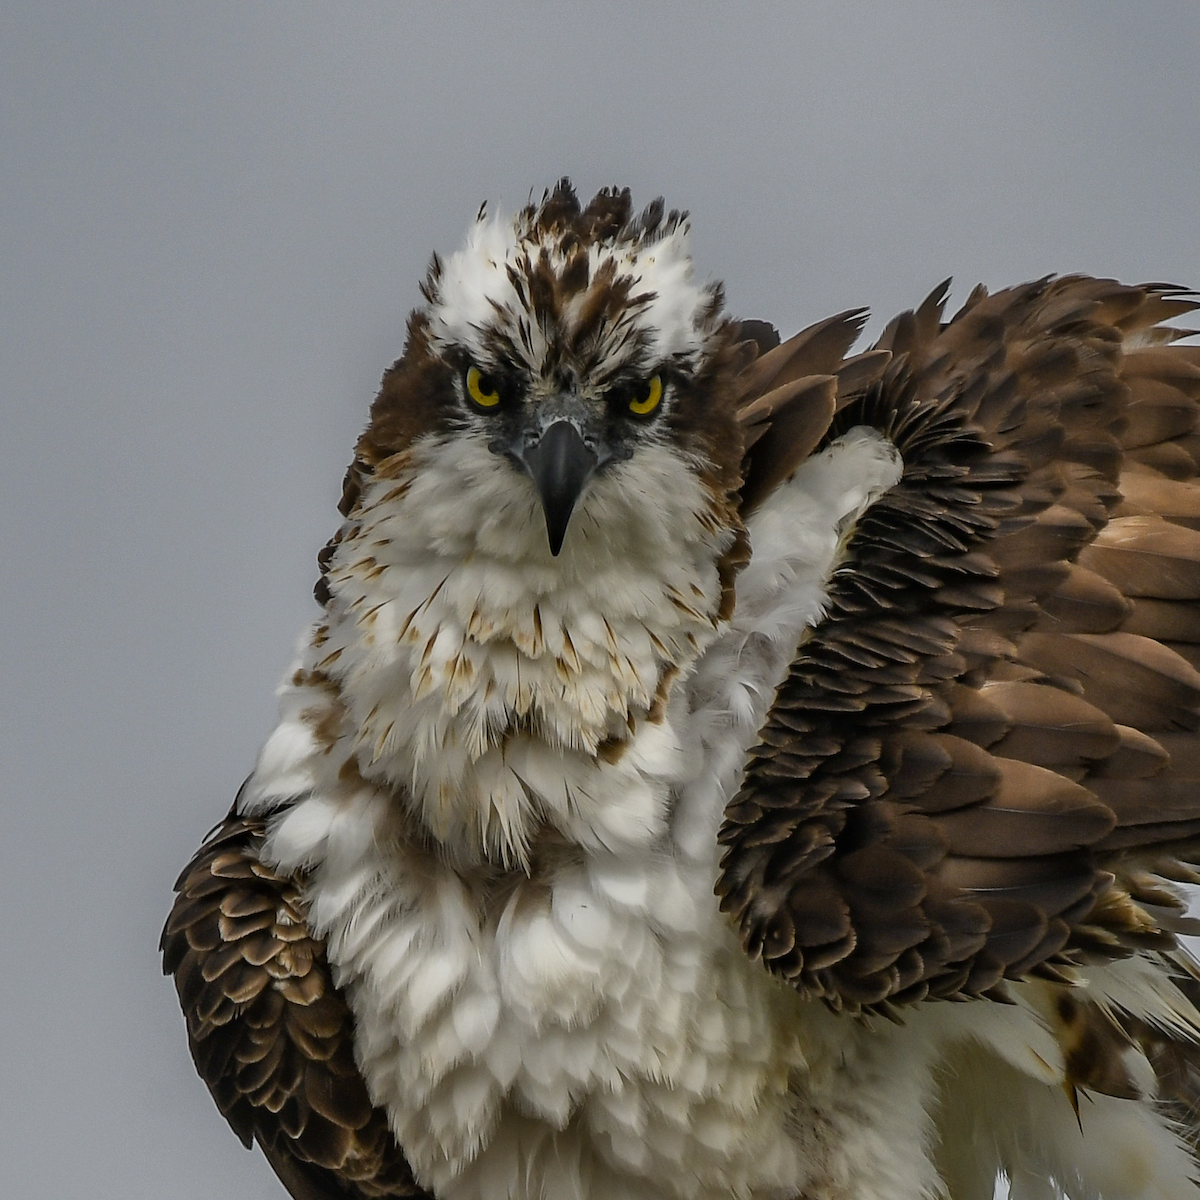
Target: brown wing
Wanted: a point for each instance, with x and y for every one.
(788, 394)
(984, 761)
(268, 1031)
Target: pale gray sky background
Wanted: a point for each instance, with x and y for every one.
(213, 218)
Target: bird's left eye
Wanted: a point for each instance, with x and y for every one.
(483, 389)
(646, 397)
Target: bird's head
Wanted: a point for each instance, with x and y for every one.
(567, 384)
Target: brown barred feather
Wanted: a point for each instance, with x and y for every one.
(982, 763)
(269, 1032)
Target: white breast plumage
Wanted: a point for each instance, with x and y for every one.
(575, 996)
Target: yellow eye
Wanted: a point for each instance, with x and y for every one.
(482, 389)
(644, 402)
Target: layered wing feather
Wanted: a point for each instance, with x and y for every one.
(269, 1032)
(983, 762)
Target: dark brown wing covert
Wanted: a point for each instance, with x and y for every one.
(269, 1033)
(983, 762)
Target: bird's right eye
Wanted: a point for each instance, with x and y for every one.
(483, 390)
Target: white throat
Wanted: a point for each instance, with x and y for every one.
(490, 683)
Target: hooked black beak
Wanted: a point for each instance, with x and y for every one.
(560, 463)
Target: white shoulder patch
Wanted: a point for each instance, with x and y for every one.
(796, 541)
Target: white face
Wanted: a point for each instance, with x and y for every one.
(570, 345)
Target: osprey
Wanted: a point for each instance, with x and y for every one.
(724, 767)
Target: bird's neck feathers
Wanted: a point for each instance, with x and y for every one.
(495, 688)
(491, 685)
